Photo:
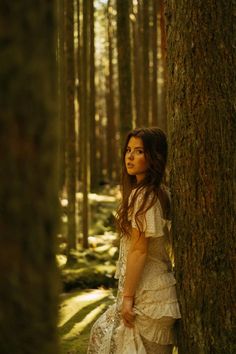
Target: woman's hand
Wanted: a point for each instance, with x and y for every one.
(127, 312)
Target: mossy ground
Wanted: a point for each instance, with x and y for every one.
(78, 311)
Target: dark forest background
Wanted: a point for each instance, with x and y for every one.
(75, 77)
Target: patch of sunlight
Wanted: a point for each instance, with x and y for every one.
(64, 202)
(74, 304)
(175, 350)
(61, 260)
(80, 326)
(97, 197)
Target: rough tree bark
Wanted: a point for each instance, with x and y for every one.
(28, 178)
(202, 118)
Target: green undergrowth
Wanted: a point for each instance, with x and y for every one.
(93, 276)
(91, 268)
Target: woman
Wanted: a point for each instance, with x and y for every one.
(141, 321)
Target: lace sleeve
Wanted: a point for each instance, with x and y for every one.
(151, 222)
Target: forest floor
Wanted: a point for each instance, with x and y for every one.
(88, 281)
(78, 311)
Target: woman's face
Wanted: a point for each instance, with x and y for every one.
(135, 160)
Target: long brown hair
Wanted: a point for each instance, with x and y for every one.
(155, 151)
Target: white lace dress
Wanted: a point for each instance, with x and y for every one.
(155, 302)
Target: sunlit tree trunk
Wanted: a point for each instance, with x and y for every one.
(202, 118)
(70, 128)
(124, 68)
(28, 178)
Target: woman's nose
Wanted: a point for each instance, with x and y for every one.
(131, 155)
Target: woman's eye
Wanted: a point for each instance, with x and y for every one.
(139, 152)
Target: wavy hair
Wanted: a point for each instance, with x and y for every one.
(155, 151)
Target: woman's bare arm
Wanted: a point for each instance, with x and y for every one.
(135, 263)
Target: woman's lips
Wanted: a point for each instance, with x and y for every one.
(129, 165)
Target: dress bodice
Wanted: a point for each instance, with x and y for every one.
(158, 266)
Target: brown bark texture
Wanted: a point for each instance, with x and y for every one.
(28, 178)
(202, 129)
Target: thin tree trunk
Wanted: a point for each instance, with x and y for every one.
(85, 123)
(92, 102)
(139, 65)
(61, 90)
(145, 66)
(136, 67)
(70, 133)
(201, 112)
(29, 182)
(79, 91)
(124, 68)
(163, 115)
(154, 119)
(111, 128)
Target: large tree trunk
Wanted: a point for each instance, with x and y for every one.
(28, 178)
(71, 176)
(124, 68)
(202, 117)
